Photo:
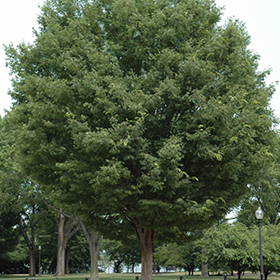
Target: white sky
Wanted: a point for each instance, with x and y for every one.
(17, 17)
(261, 17)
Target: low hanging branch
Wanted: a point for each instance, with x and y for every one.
(76, 218)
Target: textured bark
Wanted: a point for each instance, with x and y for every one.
(147, 263)
(146, 238)
(204, 270)
(94, 248)
(204, 266)
(60, 244)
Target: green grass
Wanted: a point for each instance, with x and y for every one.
(127, 276)
(109, 276)
(113, 276)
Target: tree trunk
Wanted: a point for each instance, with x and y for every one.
(147, 261)
(154, 266)
(65, 232)
(32, 269)
(94, 248)
(146, 238)
(117, 266)
(204, 266)
(94, 242)
(32, 272)
(239, 274)
(266, 273)
(30, 244)
(60, 265)
(67, 256)
(204, 270)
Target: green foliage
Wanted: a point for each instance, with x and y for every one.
(122, 253)
(264, 192)
(234, 247)
(141, 113)
(19, 202)
(270, 247)
(179, 256)
(230, 247)
(11, 253)
(9, 234)
(79, 252)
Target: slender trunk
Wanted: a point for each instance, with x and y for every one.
(30, 244)
(60, 265)
(32, 269)
(117, 266)
(204, 266)
(94, 242)
(67, 257)
(154, 267)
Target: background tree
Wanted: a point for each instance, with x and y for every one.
(132, 256)
(67, 227)
(77, 253)
(234, 247)
(122, 253)
(19, 195)
(179, 256)
(66, 231)
(230, 247)
(271, 247)
(47, 238)
(139, 121)
(9, 241)
(265, 194)
(22, 197)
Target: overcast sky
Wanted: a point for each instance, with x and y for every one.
(261, 17)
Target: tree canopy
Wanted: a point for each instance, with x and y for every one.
(145, 114)
(231, 247)
(235, 247)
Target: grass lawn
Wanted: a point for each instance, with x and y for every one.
(126, 276)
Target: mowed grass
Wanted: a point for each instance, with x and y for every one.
(128, 276)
